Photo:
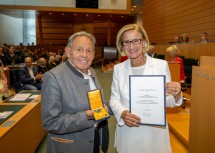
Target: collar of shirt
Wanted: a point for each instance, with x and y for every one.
(29, 67)
(42, 66)
(153, 55)
(87, 76)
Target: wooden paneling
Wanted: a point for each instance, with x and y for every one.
(165, 19)
(194, 50)
(56, 28)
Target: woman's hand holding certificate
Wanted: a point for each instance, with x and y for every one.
(130, 120)
(174, 88)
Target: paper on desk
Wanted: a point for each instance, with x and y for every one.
(33, 96)
(5, 114)
(20, 97)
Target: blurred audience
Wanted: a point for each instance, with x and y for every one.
(5, 48)
(152, 52)
(204, 37)
(58, 59)
(184, 38)
(64, 58)
(11, 58)
(2, 58)
(177, 39)
(29, 76)
(51, 63)
(42, 66)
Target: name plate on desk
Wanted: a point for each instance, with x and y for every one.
(148, 98)
(96, 105)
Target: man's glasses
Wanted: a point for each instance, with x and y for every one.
(128, 43)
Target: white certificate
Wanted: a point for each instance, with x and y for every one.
(147, 98)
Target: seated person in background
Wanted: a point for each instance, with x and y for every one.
(64, 58)
(58, 59)
(51, 63)
(204, 37)
(2, 58)
(4, 91)
(42, 66)
(151, 52)
(29, 76)
(5, 48)
(11, 58)
(174, 54)
(184, 38)
(177, 39)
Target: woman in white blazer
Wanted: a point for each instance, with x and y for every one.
(131, 137)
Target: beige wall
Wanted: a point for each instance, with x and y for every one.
(11, 30)
(102, 4)
(167, 18)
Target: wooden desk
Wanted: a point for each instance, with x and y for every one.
(14, 67)
(179, 121)
(24, 135)
(174, 69)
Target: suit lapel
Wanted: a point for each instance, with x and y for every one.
(34, 70)
(127, 72)
(26, 69)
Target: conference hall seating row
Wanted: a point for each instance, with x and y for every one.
(21, 131)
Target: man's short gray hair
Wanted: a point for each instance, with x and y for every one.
(81, 33)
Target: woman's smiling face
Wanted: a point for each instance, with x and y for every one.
(133, 44)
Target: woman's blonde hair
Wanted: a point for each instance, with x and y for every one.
(128, 28)
(174, 50)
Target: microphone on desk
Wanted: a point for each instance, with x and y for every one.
(186, 99)
(183, 103)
